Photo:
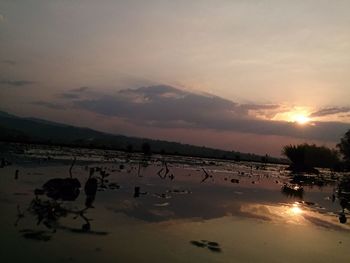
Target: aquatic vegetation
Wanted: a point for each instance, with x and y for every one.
(137, 192)
(179, 191)
(211, 245)
(48, 212)
(311, 180)
(293, 190)
(4, 163)
(65, 189)
(234, 181)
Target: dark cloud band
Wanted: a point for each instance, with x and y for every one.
(165, 106)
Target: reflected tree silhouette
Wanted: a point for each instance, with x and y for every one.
(344, 198)
(293, 190)
(49, 205)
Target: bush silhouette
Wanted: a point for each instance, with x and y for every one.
(344, 146)
(305, 157)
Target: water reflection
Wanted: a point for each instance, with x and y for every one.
(296, 213)
(53, 200)
(295, 209)
(156, 190)
(293, 190)
(344, 198)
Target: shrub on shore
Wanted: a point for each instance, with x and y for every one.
(305, 157)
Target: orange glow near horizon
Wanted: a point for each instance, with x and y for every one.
(299, 115)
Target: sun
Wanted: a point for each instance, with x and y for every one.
(301, 119)
(299, 115)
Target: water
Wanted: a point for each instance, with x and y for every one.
(200, 211)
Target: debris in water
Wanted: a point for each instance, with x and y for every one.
(211, 245)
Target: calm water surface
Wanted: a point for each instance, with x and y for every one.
(163, 209)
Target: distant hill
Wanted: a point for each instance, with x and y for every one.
(32, 130)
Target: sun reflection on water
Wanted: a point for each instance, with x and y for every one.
(295, 209)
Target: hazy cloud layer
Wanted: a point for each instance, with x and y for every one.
(165, 106)
(16, 83)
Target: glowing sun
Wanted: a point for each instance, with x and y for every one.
(301, 119)
(297, 115)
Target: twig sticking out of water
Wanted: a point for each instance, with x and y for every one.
(166, 171)
(71, 167)
(206, 175)
(138, 170)
(137, 192)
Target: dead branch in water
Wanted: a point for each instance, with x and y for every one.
(71, 167)
(206, 175)
(162, 169)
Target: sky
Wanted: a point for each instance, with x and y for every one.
(244, 75)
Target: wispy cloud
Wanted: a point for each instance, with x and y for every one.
(330, 111)
(16, 83)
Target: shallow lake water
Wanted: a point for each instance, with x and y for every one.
(163, 209)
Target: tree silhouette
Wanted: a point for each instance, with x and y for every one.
(344, 146)
(305, 157)
(146, 148)
(129, 148)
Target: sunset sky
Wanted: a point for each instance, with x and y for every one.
(241, 75)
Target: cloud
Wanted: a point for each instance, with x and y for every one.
(16, 83)
(168, 107)
(330, 111)
(49, 105)
(160, 104)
